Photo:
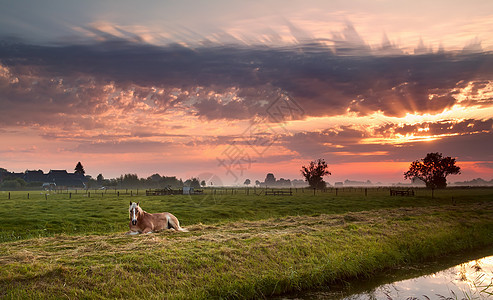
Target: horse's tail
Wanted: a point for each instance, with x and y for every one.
(182, 229)
(175, 224)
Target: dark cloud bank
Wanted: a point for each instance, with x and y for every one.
(322, 80)
(42, 85)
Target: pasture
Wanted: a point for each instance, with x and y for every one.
(240, 245)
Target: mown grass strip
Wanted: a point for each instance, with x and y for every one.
(247, 259)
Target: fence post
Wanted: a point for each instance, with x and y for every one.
(313, 191)
(46, 196)
(9, 195)
(366, 192)
(88, 194)
(336, 191)
(118, 194)
(27, 195)
(70, 195)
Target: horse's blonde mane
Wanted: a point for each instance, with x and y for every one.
(132, 206)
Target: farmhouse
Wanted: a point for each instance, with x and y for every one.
(59, 178)
(63, 178)
(34, 176)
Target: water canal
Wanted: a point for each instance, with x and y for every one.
(453, 277)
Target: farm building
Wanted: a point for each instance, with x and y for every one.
(60, 178)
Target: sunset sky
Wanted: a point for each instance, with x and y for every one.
(238, 89)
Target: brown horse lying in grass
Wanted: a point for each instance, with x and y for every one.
(144, 222)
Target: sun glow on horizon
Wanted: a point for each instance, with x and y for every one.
(400, 139)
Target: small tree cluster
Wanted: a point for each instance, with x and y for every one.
(315, 172)
(192, 182)
(433, 170)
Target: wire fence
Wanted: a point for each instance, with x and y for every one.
(247, 191)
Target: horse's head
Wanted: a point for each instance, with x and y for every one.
(133, 212)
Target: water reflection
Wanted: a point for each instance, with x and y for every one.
(470, 280)
(456, 277)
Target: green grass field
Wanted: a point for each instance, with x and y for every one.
(45, 214)
(239, 246)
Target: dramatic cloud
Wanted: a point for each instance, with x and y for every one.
(231, 82)
(129, 97)
(465, 139)
(447, 127)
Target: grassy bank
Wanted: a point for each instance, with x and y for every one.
(242, 259)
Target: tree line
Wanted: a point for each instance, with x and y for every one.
(154, 181)
(432, 170)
